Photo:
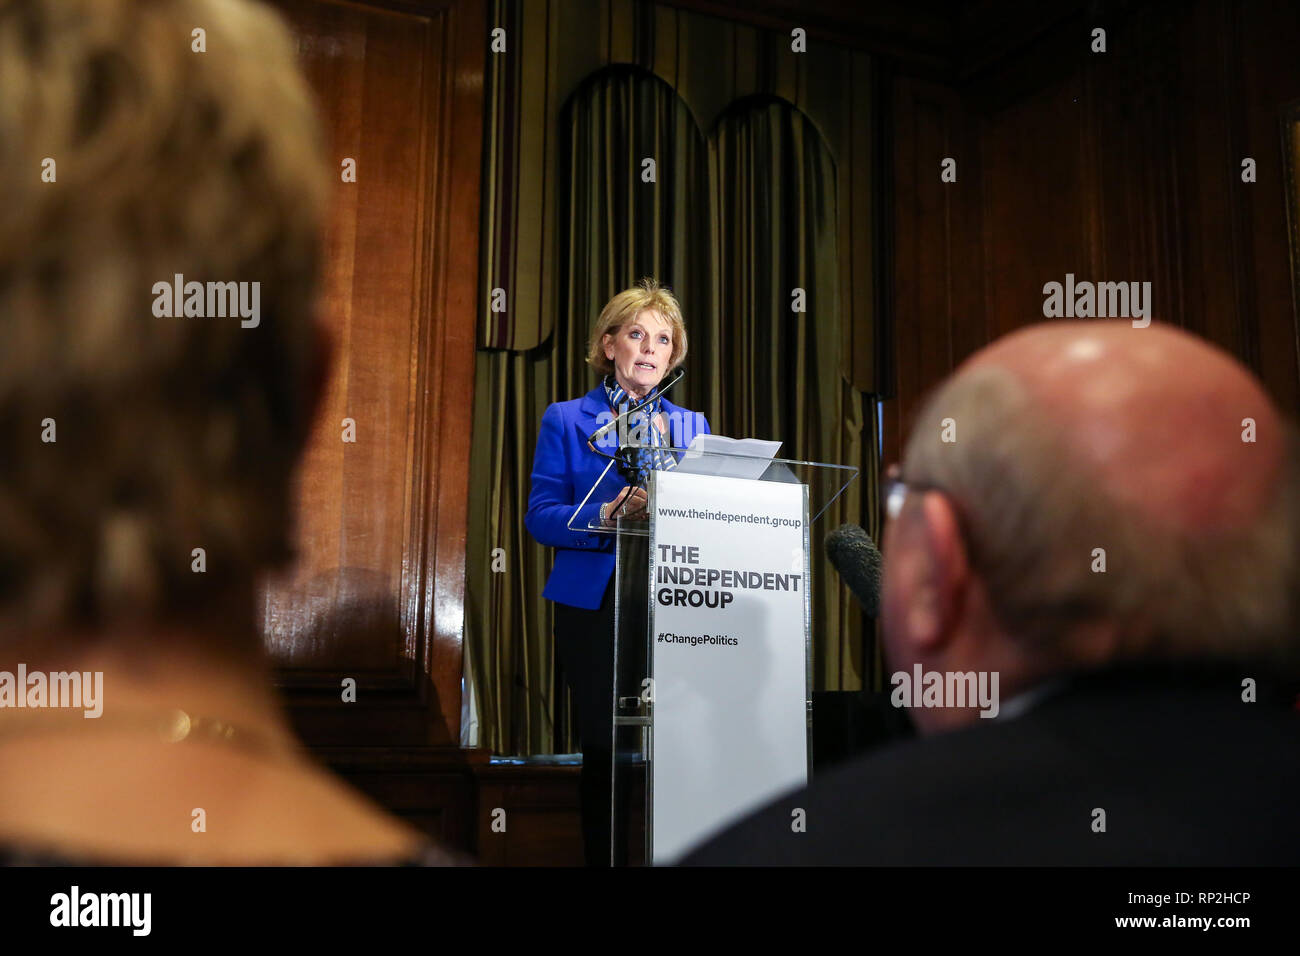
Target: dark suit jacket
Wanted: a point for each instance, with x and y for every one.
(1186, 772)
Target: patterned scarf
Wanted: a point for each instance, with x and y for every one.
(650, 459)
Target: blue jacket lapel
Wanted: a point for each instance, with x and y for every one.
(593, 403)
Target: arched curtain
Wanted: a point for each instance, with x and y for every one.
(777, 373)
(617, 224)
(620, 218)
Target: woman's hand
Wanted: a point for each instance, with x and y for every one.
(633, 505)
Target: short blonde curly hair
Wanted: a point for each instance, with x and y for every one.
(169, 433)
(624, 308)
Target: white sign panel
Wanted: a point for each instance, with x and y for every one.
(728, 624)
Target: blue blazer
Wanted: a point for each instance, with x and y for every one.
(564, 468)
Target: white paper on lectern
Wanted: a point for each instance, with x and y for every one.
(730, 720)
(755, 455)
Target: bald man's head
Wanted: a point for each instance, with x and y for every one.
(1157, 414)
(1102, 492)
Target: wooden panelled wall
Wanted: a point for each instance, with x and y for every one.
(377, 594)
(1116, 166)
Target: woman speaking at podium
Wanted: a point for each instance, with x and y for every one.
(638, 339)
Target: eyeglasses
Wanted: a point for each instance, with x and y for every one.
(894, 488)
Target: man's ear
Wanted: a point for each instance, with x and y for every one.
(939, 574)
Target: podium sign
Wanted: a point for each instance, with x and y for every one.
(712, 672)
(729, 652)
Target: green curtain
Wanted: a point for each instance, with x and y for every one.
(614, 228)
(508, 648)
(733, 224)
(777, 370)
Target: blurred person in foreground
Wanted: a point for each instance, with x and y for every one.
(132, 438)
(1138, 721)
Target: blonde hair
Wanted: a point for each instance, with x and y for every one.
(624, 308)
(171, 433)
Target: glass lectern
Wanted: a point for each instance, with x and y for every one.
(725, 572)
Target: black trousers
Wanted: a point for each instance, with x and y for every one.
(584, 640)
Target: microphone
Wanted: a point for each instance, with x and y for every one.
(605, 429)
(857, 559)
